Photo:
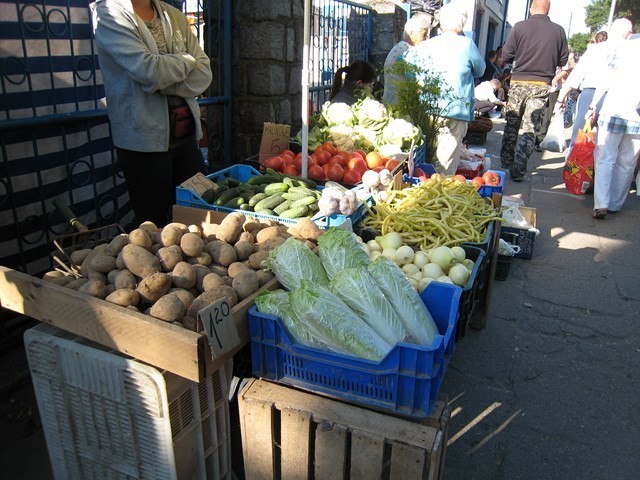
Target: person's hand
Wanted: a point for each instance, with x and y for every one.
(591, 116)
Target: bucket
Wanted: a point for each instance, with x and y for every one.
(502, 267)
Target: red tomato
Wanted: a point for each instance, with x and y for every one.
(340, 160)
(322, 157)
(351, 177)
(477, 182)
(391, 164)
(290, 170)
(277, 163)
(346, 155)
(378, 169)
(460, 178)
(357, 163)
(298, 162)
(418, 172)
(316, 173)
(362, 153)
(335, 172)
(330, 147)
(491, 178)
(288, 160)
(288, 152)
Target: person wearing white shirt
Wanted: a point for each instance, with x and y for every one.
(485, 95)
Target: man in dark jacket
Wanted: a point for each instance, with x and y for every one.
(536, 47)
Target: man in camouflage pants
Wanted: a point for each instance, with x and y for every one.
(536, 47)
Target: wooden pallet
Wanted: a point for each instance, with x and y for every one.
(291, 434)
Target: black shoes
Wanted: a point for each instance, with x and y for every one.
(600, 213)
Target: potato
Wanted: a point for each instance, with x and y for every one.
(155, 248)
(236, 267)
(230, 227)
(203, 259)
(190, 323)
(95, 288)
(191, 244)
(125, 279)
(62, 281)
(168, 308)
(183, 275)
(93, 275)
(207, 298)
(243, 249)
(267, 233)
(102, 263)
(139, 261)
(109, 289)
(247, 237)
(149, 227)
(201, 272)
(53, 274)
(169, 257)
(185, 296)
(120, 262)
(245, 283)
(222, 253)
(180, 226)
(219, 269)
(307, 228)
(124, 297)
(79, 256)
(252, 226)
(211, 281)
(271, 243)
(264, 277)
(195, 229)
(140, 237)
(77, 283)
(111, 276)
(117, 244)
(256, 259)
(209, 231)
(170, 235)
(154, 286)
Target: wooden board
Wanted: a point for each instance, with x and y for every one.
(334, 439)
(161, 344)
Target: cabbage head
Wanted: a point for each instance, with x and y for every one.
(338, 114)
(401, 133)
(339, 249)
(292, 261)
(371, 113)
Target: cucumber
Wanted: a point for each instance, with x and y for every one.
(247, 207)
(279, 187)
(304, 202)
(263, 179)
(257, 197)
(286, 205)
(295, 212)
(234, 202)
(227, 195)
(269, 203)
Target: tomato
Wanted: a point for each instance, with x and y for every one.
(330, 147)
(310, 161)
(418, 172)
(340, 160)
(374, 159)
(288, 152)
(391, 164)
(276, 163)
(357, 163)
(378, 169)
(346, 155)
(290, 170)
(316, 173)
(351, 177)
(491, 178)
(460, 178)
(335, 172)
(477, 182)
(362, 153)
(322, 157)
(288, 159)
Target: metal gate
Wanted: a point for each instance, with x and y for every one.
(54, 133)
(340, 34)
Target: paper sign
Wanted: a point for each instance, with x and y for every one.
(220, 327)
(201, 185)
(275, 140)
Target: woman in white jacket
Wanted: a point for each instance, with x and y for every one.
(153, 68)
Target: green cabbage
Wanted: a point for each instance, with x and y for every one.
(292, 261)
(339, 249)
(278, 304)
(405, 300)
(357, 288)
(330, 320)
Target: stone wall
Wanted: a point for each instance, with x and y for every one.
(267, 64)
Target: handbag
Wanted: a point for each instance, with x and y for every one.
(554, 140)
(578, 169)
(181, 122)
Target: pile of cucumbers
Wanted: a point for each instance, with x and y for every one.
(270, 194)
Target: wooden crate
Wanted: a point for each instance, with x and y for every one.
(290, 434)
(158, 343)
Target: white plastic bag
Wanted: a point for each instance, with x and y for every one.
(554, 140)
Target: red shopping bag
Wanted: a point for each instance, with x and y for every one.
(578, 168)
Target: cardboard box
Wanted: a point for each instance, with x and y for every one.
(525, 238)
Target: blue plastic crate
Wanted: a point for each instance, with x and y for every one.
(243, 173)
(406, 382)
(488, 190)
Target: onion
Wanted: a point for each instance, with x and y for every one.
(423, 283)
(443, 257)
(374, 246)
(432, 270)
(459, 253)
(410, 268)
(420, 259)
(389, 253)
(375, 255)
(459, 274)
(413, 282)
(443, 279)
(390, 240)
(467, 262)
(404, 255)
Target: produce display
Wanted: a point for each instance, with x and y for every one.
(328, 162)
(173, 272)
(436, 212)
(440, 264)
(341, 300)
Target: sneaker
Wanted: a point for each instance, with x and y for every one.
(600, 213)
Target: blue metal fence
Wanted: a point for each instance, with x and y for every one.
(54, 132)
(340, 34)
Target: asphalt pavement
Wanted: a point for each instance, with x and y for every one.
(550, 389)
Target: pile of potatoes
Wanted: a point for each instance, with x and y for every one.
(173, 272)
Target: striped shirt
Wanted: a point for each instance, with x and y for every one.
(615, 124)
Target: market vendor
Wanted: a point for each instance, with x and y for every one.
(358, 75)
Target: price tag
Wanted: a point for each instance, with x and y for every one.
(200, 185)
(275, 140)
(220, 327)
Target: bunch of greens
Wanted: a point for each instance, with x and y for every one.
(339, 249)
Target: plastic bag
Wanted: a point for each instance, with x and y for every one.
(578, 169)
(554, 140)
